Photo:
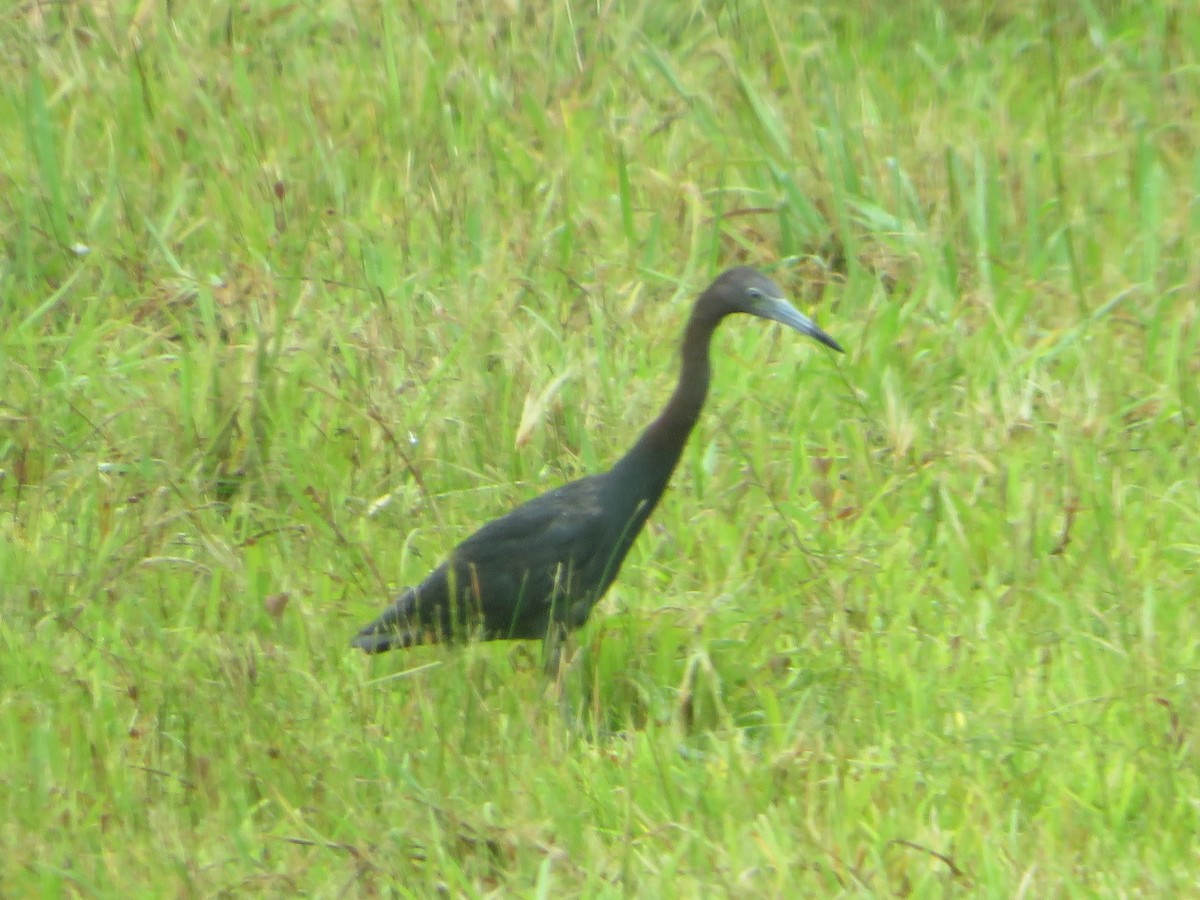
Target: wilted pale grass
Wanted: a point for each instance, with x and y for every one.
(295, 296)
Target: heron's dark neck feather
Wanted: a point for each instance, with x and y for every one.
(649, 463)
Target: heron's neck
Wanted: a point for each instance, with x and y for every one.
(650, 462)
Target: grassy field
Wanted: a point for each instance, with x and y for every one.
(295, 295)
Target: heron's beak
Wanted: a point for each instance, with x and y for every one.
(779, 310)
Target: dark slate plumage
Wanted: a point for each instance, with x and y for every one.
(549, 560)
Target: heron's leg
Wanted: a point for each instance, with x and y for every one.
(560, 668)
(552, 649)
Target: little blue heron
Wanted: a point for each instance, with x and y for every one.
(536, 572)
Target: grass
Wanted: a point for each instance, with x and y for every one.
(293, 296)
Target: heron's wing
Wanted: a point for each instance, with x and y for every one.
(511, 572)
(540, 554)
(558, 525)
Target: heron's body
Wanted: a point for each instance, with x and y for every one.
(538, 571)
